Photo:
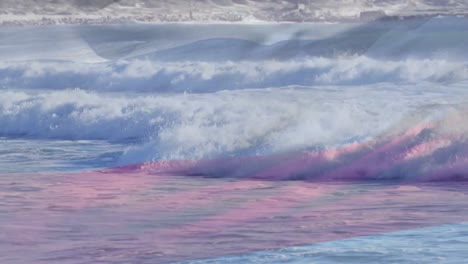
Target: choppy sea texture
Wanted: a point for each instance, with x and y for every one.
(166, 143)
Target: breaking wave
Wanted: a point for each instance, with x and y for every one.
(227, 123)
(383, 101)
(200, 77)
(421, 154)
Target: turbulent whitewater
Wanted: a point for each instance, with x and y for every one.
(384, 100)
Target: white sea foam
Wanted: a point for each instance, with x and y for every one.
(190, 96)
(263, 121)
(154, 76)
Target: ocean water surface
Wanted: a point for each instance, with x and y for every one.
(219, 143)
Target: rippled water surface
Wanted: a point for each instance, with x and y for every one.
(141, 218)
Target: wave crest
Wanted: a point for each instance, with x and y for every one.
(153, 76)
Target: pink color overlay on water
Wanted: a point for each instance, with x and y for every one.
(177, 210)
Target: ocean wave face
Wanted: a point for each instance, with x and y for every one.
(336, 98)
